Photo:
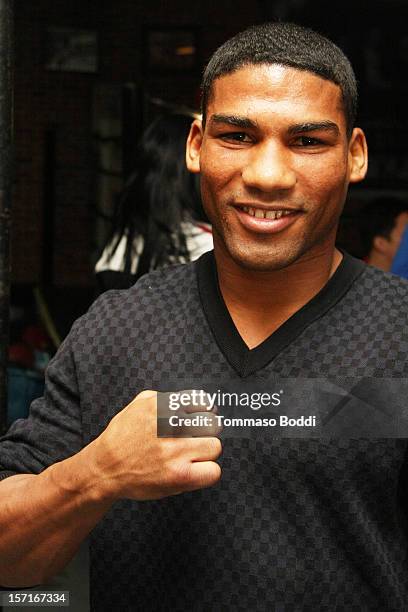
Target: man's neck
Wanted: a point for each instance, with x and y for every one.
(259, 302)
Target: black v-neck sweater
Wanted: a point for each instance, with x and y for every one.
(293, 524)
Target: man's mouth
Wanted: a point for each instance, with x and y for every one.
(266, 220)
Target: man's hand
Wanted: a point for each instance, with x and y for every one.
(128, 460)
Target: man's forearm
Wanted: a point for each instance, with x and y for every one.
(44, 518)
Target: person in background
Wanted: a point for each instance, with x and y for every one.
(400, 261)
(382, 224)
(159, 218)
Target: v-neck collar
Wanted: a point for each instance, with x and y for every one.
(247, 361)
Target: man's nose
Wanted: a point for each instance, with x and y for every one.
(268, 168)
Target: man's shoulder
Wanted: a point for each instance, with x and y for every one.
(381, 293)
(166, 289)
(158, 305)
(383, 283)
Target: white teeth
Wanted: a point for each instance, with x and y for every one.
(259, 214)
(270, 214)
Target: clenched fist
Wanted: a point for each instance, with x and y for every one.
(128, 460)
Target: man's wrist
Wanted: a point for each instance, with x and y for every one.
(78, 477)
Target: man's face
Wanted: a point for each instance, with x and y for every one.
(275, 164)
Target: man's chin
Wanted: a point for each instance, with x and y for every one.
(258, 256)
(269, 262)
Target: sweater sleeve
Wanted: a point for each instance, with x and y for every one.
(53, 430)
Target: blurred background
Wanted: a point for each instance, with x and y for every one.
(91, 74)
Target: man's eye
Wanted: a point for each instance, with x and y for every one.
(236, 137)
(307, 141)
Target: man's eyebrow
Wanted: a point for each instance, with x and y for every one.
(234, 120)
(327, 126)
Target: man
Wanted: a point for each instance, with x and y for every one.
(382, 225)
(291, 524)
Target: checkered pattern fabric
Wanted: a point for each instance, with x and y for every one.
(315, 525)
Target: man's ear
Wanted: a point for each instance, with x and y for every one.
(193, 147)
(381, 244)
(358, 156)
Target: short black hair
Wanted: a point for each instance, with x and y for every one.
(286, 44)
(377, 218)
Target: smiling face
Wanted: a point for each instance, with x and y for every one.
(275, 163)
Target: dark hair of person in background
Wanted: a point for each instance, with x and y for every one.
(378, 218)
(288, 45)
(157, 198)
